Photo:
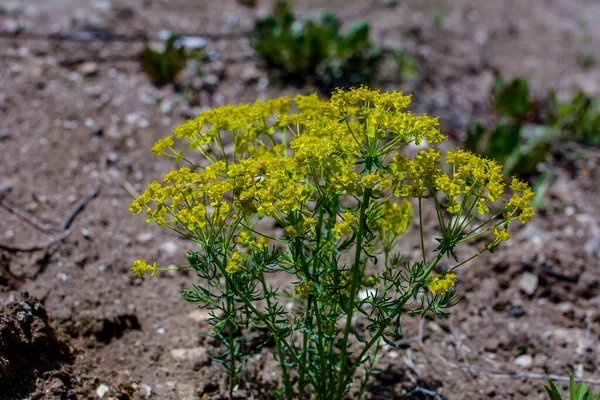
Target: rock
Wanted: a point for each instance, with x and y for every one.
(145, 390)
(63, 314)
(193, 354)
(56, 384)
(166, 106)
(528, 283)
(102, 390)
(88, 69)
(524, 361)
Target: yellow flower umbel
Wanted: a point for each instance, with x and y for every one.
(304, 289)
(141, 266)
(500, 235)
(235, 263)
(392, 221)
(441, 284)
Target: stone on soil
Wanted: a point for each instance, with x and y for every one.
(528, 283)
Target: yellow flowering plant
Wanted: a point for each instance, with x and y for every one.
(315, 194)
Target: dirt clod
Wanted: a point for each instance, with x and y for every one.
(29, 346)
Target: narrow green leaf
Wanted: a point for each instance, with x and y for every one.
(358, 337)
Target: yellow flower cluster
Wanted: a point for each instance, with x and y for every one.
(414, 176)
(501, 235)
(235, 263)
(441, 284)
(393, 220)
(266, 161)
(346, 226)
(162, 144)
(272, 179)
(304, 289)
(140, 267)
(521, 200)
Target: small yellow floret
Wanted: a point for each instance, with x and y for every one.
(441, 284)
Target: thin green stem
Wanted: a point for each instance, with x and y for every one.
(421, 231)
(233, 372)
(289, 395)
(353, 288)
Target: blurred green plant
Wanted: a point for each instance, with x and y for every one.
(518, 147)
(586, 61)
(526, 128)
(576, 392)
(316, 51)
(248, 3)
(406, 65)
(163, 66)
(438, 18)
(577, 120)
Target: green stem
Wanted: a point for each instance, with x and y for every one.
(286, 377)
(353, 288)
(299, 257)
(421, 231)
(232, 376)
(287, 383)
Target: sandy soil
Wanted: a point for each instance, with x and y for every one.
(78, 117)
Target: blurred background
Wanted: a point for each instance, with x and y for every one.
(87, 86)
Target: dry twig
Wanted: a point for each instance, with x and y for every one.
(30, 221)
(68, 219)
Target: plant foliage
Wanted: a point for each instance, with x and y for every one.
(316, 51)
(576, 392)
(528, 127)
(163, 66)
(318, 198)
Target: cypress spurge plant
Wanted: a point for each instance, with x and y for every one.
(333, 191)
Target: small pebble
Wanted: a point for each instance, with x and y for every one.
(102, 390)
(524, 361)
(528, 283)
